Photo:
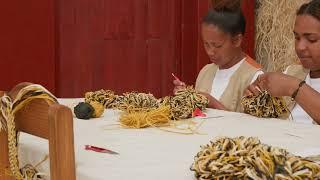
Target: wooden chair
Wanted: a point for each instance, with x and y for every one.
(50, 121)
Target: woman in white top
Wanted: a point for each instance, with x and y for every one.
(304, 92)
(231, 71)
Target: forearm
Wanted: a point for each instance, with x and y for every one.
(309, 100)
(215, 104)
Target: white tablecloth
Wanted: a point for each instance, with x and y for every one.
(154, 154)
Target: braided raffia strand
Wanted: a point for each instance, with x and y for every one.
(9, 109)
(2, 123)
(6, 109)
(264, 105)
(248, 158)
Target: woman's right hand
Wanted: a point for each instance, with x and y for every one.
(178, 85)
(277, 84)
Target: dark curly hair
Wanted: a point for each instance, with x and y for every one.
(312, 8)
(227, 16)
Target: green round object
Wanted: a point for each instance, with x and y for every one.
(83, 111)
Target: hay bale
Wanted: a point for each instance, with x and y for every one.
(274, 47)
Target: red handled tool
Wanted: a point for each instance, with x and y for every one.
(99, 149)
(175, 77)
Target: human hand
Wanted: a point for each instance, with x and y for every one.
(213, 102)
(178, 85)
(277, 84)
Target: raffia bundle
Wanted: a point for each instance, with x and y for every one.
(135, 101)
(141, 119)
(274, 47)
(264, 105)
(247, 158)
(105, 97)
(143, 110)
(184, 102)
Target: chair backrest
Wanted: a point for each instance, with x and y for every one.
(51, 121)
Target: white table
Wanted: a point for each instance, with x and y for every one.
(154, 154)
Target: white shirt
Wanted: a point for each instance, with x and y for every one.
(298, 114)
(222, 77)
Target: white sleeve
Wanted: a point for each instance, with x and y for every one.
(256, 76)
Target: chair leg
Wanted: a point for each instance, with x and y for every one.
(61, 143)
